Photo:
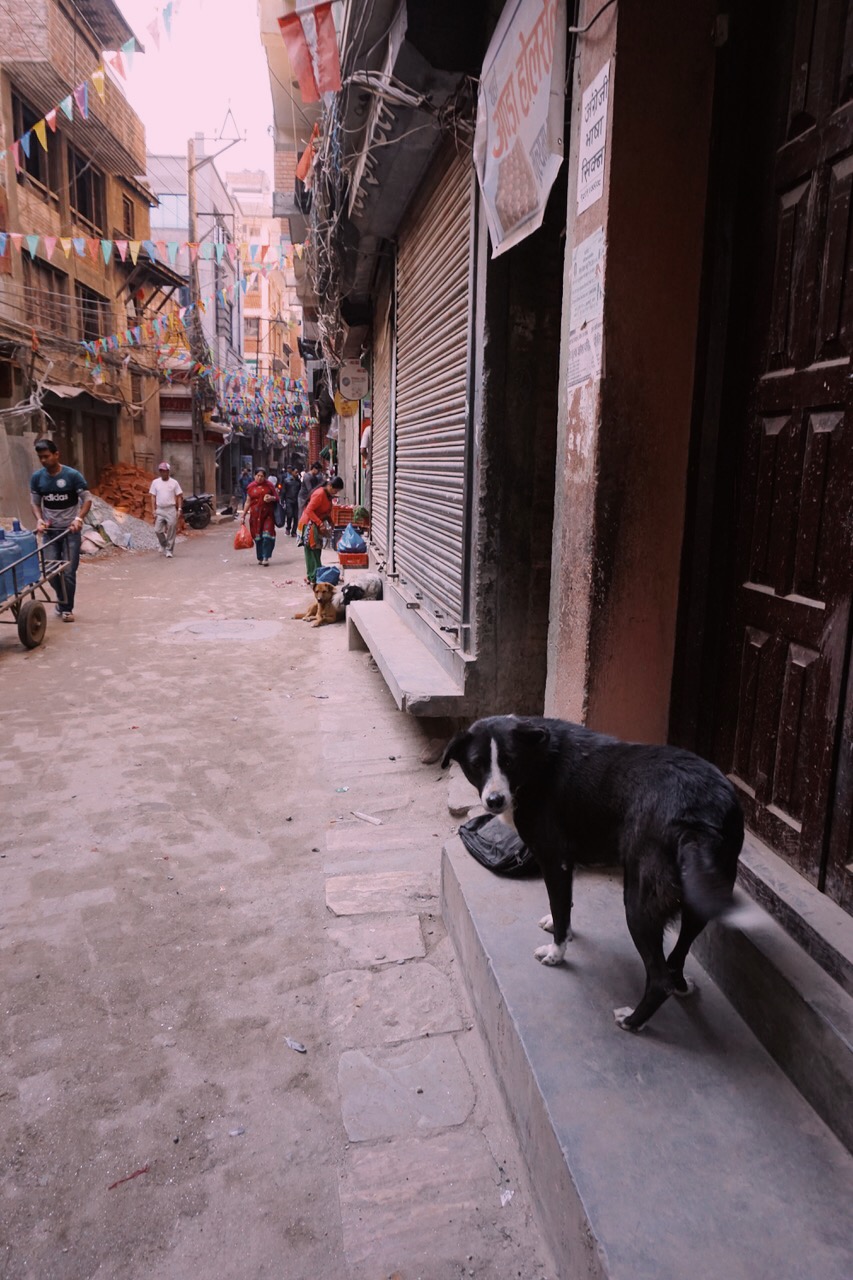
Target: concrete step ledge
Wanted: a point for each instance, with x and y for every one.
(821, 927)
(418, 682)
(802, 1017)
(684, 1150)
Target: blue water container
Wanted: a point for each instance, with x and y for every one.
(7, 555)
(24, 544)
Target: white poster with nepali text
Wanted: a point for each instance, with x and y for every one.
(518, 144)
(593, 140)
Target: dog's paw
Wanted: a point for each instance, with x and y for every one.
(622, 1016)
(547, 923)
(687, 990)
(550, 954)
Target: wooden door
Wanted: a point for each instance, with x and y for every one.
(788, 655)
(99, 445)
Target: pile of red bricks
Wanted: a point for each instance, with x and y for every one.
(125, 487)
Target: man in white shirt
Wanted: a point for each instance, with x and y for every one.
(167, 498)
(364, 450)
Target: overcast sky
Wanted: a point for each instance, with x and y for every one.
(214, 59)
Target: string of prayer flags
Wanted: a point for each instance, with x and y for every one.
(262, 259)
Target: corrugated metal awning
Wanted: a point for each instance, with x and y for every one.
(63, 391)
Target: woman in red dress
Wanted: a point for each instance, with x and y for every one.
(314, 521)
(261, 498)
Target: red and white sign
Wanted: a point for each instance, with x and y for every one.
(518, 144)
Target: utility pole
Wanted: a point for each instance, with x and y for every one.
(198, 349)
(196, 332)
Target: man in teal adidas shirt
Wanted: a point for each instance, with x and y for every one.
(60, 499)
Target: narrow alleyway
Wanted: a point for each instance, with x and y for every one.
(186, 890)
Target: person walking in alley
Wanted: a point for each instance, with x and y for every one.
(310, 480)
(167, 498)
(314, 522)
(60, 501)
(243, 482)
(260, 505)
(290, 486)
(364, 453)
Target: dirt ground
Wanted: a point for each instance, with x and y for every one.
(183, 888)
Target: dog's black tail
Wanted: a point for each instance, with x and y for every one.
(707, 860)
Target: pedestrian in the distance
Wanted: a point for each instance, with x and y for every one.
(290, 486)
(60, 501)
(167, 499)
(261, 498)
(310, 480)
(314, 523)
(365, 452)
(243, 483)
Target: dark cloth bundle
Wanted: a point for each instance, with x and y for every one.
(497, 846)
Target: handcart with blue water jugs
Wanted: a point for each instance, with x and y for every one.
(22, 582)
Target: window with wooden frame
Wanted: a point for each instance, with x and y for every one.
(47, 302)
(86, 185)
(39, 169)
(93, 313)
(127, 221)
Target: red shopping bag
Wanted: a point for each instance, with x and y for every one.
(243, 539)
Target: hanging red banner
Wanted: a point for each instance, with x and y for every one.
(293, 35)
(328, 62)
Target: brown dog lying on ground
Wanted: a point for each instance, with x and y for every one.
(324, 609)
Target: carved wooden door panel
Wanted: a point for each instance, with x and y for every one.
(788, 660)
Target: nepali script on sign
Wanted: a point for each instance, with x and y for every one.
(593, 140)
(518, 145)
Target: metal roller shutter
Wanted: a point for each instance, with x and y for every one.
(433, 290)
(380, 431)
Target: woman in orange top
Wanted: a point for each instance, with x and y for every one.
(315, 516)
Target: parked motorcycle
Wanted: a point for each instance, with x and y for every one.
(198, 509)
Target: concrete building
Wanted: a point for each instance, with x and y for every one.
(272, 314)
(76, 194)
(214, 222)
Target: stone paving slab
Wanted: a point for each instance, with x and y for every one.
(373, 748)
(376, 939)
(400, 861)
(368, 1008)
(421, 1209)
(401, 1092)
(391, 891)
(392, 769)
(364, 838)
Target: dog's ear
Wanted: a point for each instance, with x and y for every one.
(532, 736)
(453, 750)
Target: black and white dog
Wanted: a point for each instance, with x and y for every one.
(368, 586)
(671, 819)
